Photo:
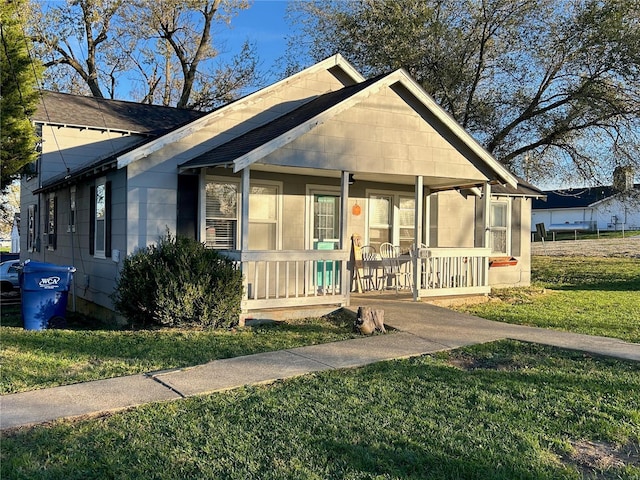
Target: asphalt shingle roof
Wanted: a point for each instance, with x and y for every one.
(78, 110)
(239, 146)
(574, 197)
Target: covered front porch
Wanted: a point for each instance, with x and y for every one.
(330, 268)
(375, 159)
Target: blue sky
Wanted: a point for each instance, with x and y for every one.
(264, 24)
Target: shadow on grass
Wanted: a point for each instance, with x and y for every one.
(606, 286)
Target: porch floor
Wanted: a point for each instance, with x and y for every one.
(376, 296)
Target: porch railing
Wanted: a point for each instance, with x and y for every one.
(452, 271)
(288, 278)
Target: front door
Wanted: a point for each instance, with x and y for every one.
(325, 234)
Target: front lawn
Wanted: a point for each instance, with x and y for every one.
(592, 295)
(39, 359)
(505, 410)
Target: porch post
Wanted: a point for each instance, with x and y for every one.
(344, 235)
(417, 237)
(487, 228)
(244, 210)
(486, 215)
(427, 218)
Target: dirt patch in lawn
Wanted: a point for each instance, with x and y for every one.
(601, 460)
(604, 247)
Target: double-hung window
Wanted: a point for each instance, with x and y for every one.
(500, 232)
(391, 219)
(263, 217)
(52, 222)
(380, 219)
(222, 214)
(100, 226)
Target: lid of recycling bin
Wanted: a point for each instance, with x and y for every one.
(31, 267)
(43, 277)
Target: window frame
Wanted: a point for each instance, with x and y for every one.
(493, 228)
(52, 222)
(395, 226)
(105, 236)
(238, 223)
(32, 228)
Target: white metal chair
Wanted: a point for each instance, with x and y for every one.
(369, 269)
(392, 270)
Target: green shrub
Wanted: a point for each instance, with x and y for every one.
(178, 282)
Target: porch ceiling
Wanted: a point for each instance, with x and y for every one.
(432, 183)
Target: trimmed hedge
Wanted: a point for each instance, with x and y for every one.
(176, 283)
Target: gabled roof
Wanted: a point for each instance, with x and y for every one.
(240, 146)
(335, 63)
(147, 121)
(104, 114)
(256, 144)
(576, 197)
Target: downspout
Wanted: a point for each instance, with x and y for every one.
(72, 230)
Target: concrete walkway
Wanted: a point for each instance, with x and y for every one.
(423, 329)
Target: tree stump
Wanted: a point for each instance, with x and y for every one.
(369, 320)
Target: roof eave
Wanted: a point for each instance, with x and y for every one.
(92, 171)
(192, 127)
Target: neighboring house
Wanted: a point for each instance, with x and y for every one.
(280, 180)
(15, 234)
(607, 208)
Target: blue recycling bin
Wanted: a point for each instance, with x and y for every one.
(45, 291)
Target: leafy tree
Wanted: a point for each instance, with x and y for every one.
(164, 47)
(19, 95)
(9, 206)
(550, 87)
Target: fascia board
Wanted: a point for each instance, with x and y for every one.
(196, 125)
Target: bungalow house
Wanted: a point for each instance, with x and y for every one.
(604, 208)
(288, 181)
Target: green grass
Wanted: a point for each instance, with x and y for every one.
(595, 296)
(505, 410)
(38, 359)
